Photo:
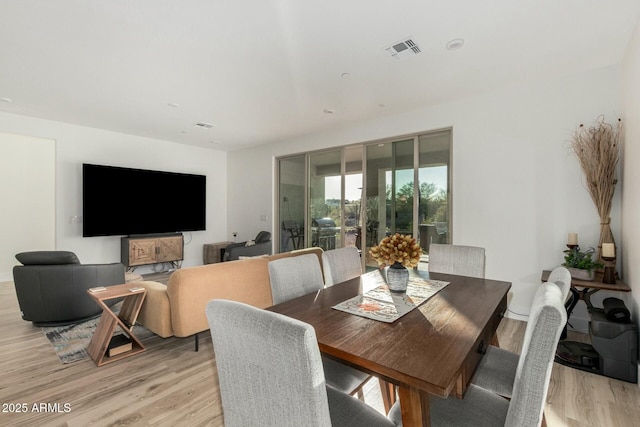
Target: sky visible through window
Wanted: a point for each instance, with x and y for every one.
(353, 182)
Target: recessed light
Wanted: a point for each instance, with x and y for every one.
(345, 75)
(173, 105)
(455, 44)
(381, 105)
(214, 142)
(328, 111)
(7, 100)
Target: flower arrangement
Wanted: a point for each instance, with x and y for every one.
(398, 248)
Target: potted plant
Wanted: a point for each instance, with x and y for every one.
(580, 263)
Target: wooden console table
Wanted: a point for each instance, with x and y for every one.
(589, 288)
(132, 302)
(151, 249)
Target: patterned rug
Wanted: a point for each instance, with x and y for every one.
(70, 341)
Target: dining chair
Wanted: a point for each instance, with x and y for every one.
(296, 276)
(273, 374)
(295, 233)
(480, 407)
(496, 371)
(341, 265)
(293, 277)
(456, 259)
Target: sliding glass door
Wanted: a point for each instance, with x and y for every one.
(434, 188)
(357, 195)
(389, 191)
(291, 202)
(335, 197)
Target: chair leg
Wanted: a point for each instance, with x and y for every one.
(196, 342)
(388, 392)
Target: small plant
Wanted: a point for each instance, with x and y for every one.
(583, 260)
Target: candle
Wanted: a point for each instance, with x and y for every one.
(573, 239)
(608, 250)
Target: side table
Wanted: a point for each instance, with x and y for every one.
(212, 252)
(133, 298)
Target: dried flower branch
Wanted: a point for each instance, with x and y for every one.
(597, 149)
(397, 248)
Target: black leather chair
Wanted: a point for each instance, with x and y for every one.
(52, 286)
(261, 246)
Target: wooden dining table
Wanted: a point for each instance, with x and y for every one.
(431, 351)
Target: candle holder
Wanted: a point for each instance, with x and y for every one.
(609, 270)
(571, 246)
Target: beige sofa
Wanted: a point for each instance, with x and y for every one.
(178, 308)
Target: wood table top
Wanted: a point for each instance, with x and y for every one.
(424, 350)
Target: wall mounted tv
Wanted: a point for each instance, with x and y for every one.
(122, 201)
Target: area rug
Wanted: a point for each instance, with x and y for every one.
(70, 342)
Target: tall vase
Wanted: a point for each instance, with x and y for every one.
(397, 277)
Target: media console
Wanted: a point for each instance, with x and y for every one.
(151, 249)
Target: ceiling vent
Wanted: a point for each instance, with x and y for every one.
(203, 125)
(403, 49)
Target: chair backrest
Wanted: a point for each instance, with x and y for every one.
(269, 367)
(294, 277)
(546, 321)
(341, 264)
(456, 259)
(561, 277)
(262, 237)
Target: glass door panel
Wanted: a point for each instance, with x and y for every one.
(389, 192)
(291, 206)
(434, 187)
(325, 199)
(352, 200)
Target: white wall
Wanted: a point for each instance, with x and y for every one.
(631, 172)
(27, 222)
(517, 189)
(76, 145)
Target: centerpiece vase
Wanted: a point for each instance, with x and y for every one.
(397, 277)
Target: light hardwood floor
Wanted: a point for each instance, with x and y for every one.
(172, 385)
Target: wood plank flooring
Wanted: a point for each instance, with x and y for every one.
(172, 385)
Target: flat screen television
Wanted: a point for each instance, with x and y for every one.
(123, 201)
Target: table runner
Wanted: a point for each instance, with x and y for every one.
(383, 305)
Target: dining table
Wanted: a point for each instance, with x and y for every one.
(432, 351)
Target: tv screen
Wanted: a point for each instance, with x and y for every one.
(122, 201)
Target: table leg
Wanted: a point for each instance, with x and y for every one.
(388, 392)
(415, 407)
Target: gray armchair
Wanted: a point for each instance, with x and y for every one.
(261, 246)
(52, 286)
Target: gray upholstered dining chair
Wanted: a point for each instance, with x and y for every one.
(293, 277)
(341, 264)
(456, 259)
(273, 374)
(496, 371)
(481, 407)
(296, 276)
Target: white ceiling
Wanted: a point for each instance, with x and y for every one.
(265, 70)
